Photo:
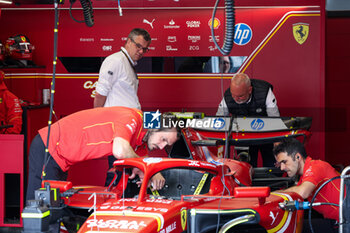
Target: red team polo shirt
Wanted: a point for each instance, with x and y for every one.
(317, 172)
(89, 134)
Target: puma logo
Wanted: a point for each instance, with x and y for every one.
(148, 22)
(273, 217)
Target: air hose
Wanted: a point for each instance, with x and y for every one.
(229, 27)
(88, 12)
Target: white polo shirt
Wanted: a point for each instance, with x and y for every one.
(118, 81)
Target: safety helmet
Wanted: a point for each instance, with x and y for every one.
(2, 52)
(19, 47)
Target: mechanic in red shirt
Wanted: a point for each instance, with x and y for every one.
(92, 134)
(291, 157)
(10, 109)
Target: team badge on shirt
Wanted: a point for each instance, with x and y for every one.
(132, 126)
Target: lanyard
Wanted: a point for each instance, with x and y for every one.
(132, 66)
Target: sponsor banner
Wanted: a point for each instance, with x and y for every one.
(251, 124)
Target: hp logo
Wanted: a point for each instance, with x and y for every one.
(257, 124)
(243, 34)
(219, 123)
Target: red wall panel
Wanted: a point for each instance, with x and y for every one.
(11, 160)
(296, 70)
(337, 87)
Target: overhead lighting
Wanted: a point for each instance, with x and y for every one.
(6, 1)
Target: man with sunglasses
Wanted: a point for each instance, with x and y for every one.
(291, 157)
(118, 83)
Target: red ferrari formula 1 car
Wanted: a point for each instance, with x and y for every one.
(202, 193)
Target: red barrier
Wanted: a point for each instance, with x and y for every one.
(11, 160)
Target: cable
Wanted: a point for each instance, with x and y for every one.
(324, 203)
(302, 205)
(314, 196)
(47, 155)
(87, 12)
(296, 205)
(227, 46)
(70, 12)
(229, 28)
(218, 220)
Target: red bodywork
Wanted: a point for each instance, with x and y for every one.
(149, 213)
(201, 194)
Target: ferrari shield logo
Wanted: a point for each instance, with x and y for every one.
(23, 38)
(183, 218)
(301, 32)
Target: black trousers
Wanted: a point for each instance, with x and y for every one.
(36, 163)
(110, 176)
(266, 154)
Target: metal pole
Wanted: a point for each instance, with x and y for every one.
(341, 198)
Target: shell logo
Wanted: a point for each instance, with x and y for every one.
(216, 23)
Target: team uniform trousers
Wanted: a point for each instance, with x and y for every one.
(36, 161)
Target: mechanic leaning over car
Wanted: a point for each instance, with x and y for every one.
(92, 134)
(253, 98)
(291, 157)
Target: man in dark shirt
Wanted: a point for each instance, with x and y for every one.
(251, 98)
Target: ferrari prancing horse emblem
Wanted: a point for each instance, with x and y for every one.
(183, 218)
(300, 32)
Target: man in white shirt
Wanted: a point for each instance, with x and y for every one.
(253, 98)
(118, 83)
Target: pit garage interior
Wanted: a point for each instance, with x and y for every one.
(179, 73)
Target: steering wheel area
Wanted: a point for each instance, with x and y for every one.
(180, 182)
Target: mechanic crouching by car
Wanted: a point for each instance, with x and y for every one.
(291, 157)
(92, 134)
